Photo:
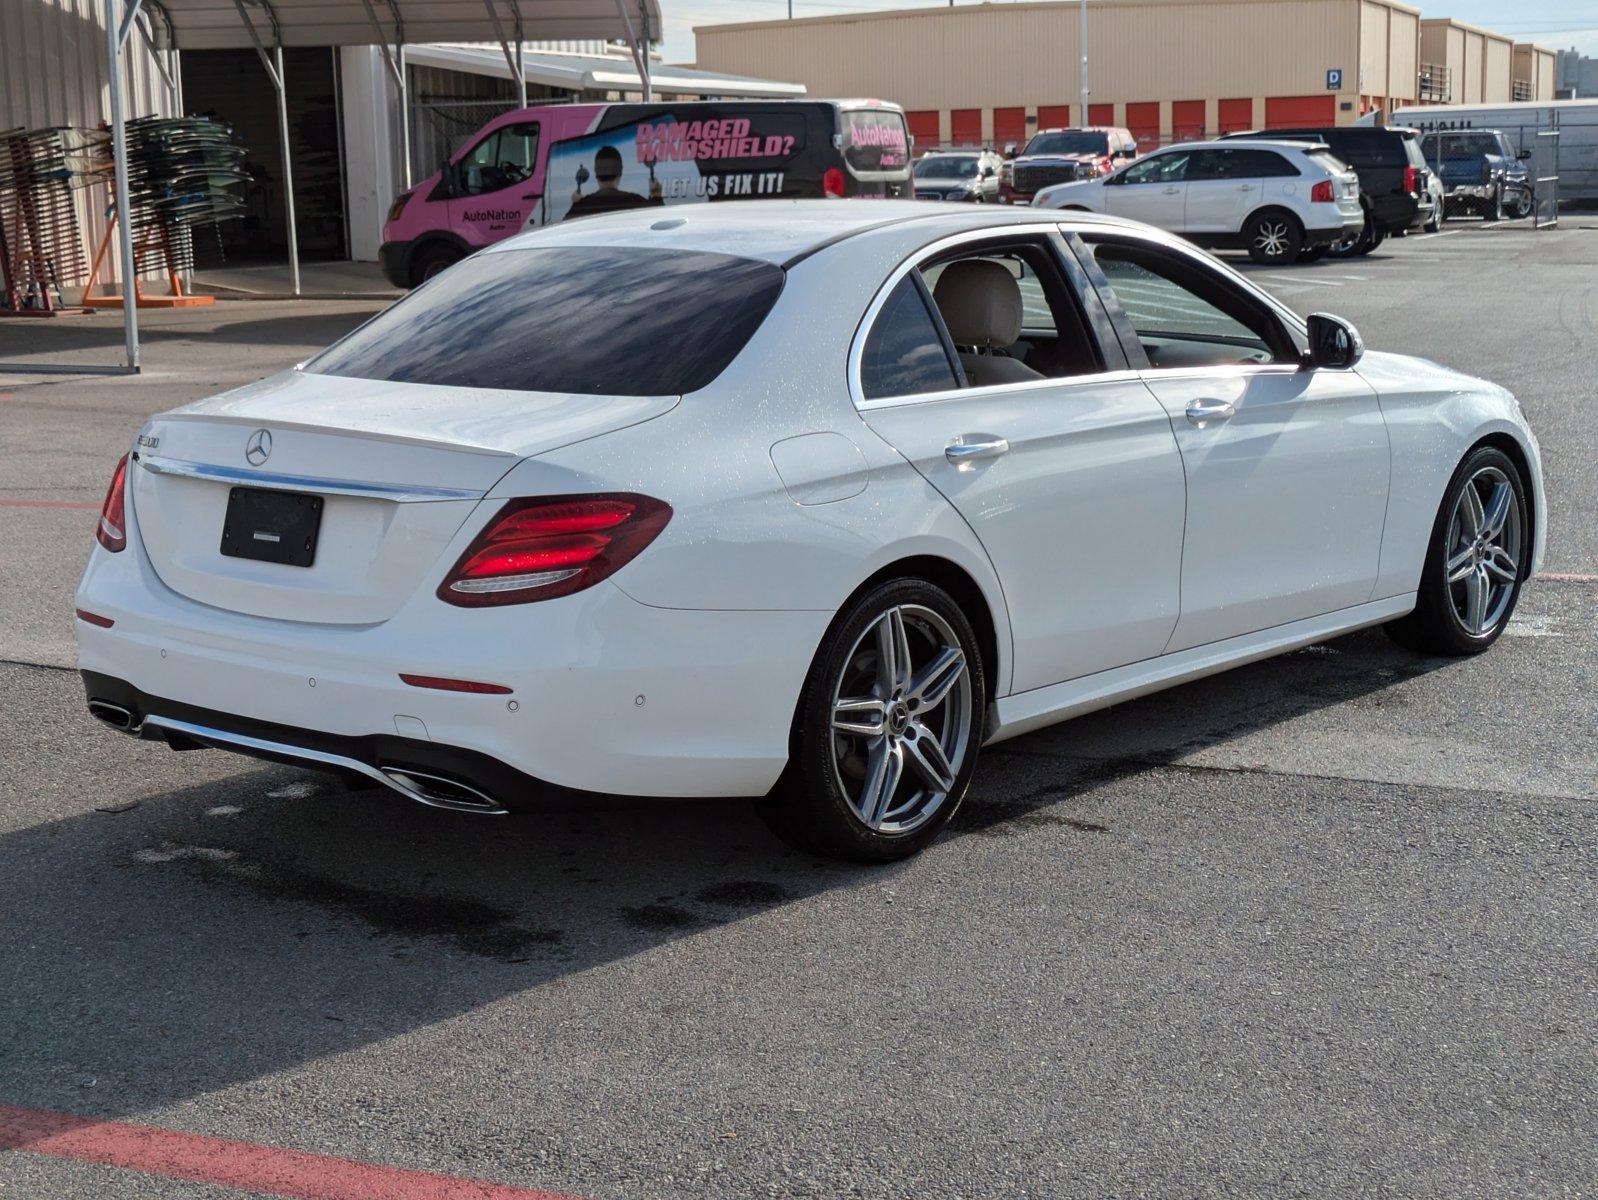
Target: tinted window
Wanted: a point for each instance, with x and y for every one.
(505, 157)
(1368, 150)
(947, 166)
(1238, 164)
(875, 140)
(597, 320)
(904, 353)
(1463, 145)
(1158, 168)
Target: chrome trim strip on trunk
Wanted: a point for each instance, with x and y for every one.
(222, 739)
(401, 493)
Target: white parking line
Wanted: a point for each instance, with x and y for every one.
(1292, 280)
(1421, 237)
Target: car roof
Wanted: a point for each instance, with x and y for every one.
(1230, 143)
(777, 231)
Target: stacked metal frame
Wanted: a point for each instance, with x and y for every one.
(41, 249)
(183, 173)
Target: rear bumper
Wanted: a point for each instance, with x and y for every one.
(608, 696)
(395, 260)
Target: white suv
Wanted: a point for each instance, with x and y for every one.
(1283, 202)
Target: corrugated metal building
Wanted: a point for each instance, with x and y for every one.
(1478, 64)
(1535, 74)
(53, 73)
(1165, 69)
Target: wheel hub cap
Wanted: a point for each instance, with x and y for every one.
(1484, 548)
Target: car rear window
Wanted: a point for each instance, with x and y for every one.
(875, 140)
(596, 320)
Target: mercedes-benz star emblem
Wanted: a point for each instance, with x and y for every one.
(259, 448)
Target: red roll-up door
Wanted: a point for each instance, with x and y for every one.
(1009, 126)
(965, 127)
(1054, 116)
(1101, 114)
(1234, 116)
(1187, 120)
(1300, 110)
(1143, 122)
(923, 127)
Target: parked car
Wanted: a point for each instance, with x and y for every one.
(1388, 162)
(1061, 155)
(1281, 201)
(1434, 208)
(1482, 173)
(969, 175)
(537, 166)
(600, 510)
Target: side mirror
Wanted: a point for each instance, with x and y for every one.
(1333, 342)
(1523, 155)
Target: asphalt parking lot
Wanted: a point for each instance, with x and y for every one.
(1326, 925)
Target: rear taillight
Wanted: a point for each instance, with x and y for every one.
(1411, 183)
(548, 546)
(1321, 193)
(832, 182)
(113, 531)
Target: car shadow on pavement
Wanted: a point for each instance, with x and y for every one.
(268, 918)
(31, 339)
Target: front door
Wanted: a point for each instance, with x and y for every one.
(1068, 473)
(495, 186)
(1287, 468)
(1153, 190)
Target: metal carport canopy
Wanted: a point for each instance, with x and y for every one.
(267, 26)
(215, 25)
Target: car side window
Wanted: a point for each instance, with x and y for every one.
(904, 352)
(503, 158)
(1158, 168)
(1184, 316)
(1262, 164)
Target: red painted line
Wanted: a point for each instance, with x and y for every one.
(267, 1170)
(1564, 578)
(4, 503)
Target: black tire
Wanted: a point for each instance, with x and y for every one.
(1349, 247)
(430, 260)
(1373, 236)
(1436, 627)
(1434, 221)
(1494, 210)
(810, 808)
(1310, 254)
(1273, 237)
(1523, 204)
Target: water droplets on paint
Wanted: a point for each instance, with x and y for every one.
(293, 791)
(224, 810)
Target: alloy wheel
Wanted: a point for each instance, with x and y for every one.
(1272, 237)
(1484, 547)
(901, 719)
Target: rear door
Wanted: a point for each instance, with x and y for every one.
(1071, 479)
(1153, 190)
(1223, 187)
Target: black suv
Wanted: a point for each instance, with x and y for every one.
(1391, 170)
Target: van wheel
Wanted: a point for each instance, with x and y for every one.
(1274, 238)
(430, 260)
(887, 730)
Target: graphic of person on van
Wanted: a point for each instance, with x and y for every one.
(608, 197)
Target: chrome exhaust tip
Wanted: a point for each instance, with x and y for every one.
(114, 715)
(440, 791)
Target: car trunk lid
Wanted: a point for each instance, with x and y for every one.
(391, 470)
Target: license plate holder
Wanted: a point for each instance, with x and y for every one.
(270, 526)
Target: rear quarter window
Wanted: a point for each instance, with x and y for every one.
(594, 320)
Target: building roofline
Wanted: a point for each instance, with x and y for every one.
(953, 10)
(1455, 23)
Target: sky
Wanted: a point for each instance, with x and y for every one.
(1559, 24)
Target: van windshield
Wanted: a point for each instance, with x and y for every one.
(875, 140)
(594, 320)
(1079, 141)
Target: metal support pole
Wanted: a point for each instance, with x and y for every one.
(1082, 35)
(640, 50)
(288, 167)
(521, 64)
(119, 159)
(405, 116)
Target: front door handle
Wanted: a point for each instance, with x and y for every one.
(975, 447)
(1171, 191)
(1245, 187)
(1202, 412)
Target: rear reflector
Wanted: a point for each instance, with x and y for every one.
(548, 546)
(112, 533)
(94, 618)
(455, 685)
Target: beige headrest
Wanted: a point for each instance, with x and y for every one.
(980, 302)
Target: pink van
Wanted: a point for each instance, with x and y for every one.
(536, 166)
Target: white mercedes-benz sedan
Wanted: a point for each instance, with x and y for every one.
(800, 501)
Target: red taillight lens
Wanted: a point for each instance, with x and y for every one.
(1321, 193)
(444, 684)
(113, 531)
(832, 182)
(1410, 184)
(548, 546)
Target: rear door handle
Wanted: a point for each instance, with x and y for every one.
(1171, 191)
(975, 447)
(1202, 412)
(1245, 187)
